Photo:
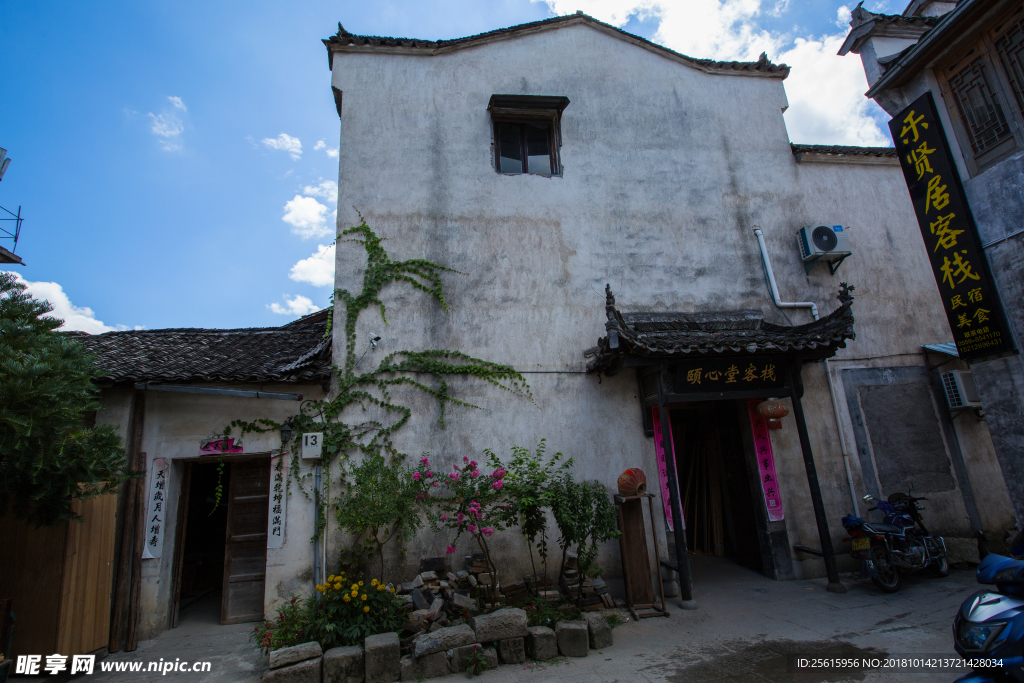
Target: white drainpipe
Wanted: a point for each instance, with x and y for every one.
(828, 371)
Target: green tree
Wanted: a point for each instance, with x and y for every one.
(381, 502)
(528, 485)
(47, 456)
(586, 518)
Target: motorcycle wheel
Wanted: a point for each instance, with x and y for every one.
(941, 566)
(889, 579)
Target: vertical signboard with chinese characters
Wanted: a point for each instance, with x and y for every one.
(765, 462)
(662, 467)
(278, 500)
(155, 513)
(968, 294)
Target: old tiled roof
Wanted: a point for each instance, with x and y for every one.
(297, 352)
(679, 335)
(844, 150)
(344, 41)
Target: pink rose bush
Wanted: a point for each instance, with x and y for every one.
(473, 503)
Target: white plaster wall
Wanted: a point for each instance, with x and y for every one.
(666, 169)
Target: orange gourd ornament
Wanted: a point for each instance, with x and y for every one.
(633, 482)
(772, 409)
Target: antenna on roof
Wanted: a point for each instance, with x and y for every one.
(8, 256)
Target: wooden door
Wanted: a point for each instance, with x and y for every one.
(245, 548)
(86, 587)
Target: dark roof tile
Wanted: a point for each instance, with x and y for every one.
(297, 352)
(680, 335)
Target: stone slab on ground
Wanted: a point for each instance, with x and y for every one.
(573, 638)
(442, 640)
(382, 655)
(599, 630)
(297, 653)
(541, 643)
(512, 651)
(303, 672)
(344, 665)
(510, 622)
(428, 666)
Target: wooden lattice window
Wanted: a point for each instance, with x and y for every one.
(1010, 48)
(978, 107)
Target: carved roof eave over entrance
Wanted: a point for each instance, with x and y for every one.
(641, 339)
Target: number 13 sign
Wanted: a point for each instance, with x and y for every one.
(312, 444)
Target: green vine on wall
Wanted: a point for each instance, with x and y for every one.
(427, 371)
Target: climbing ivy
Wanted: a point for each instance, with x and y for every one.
(427, 371)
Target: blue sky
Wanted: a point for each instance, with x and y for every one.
(156, 146)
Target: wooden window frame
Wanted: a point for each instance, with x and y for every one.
(532, 109)
(983, 46)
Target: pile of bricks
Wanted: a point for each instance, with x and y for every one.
(588, 594)
(501, 636)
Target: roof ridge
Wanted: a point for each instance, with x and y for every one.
(843, 149)
(345, 38)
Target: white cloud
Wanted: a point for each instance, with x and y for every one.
(307, 216)
(318, 269)
(328, 189)
(826, 96)
(167, 125)
(286, 143)
(331, 152)
(75, 318)
(299, 305)
(825, 91)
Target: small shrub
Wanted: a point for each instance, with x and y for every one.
(475, 662)
(614, 620)
(349, 611)
(290, 628)
(542, 612)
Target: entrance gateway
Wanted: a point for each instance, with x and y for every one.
(700, 370)
(221, 550)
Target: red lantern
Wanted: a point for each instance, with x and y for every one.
(772, 409)
(633, 482)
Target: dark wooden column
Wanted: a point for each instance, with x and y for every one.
(679, 533)
(834, 585)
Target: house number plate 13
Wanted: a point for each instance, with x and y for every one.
(312, 444)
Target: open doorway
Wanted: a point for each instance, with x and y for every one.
(714, 482)
(202, 565)
(223, 553)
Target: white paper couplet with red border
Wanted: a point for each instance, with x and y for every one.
(155, 513)
(278, 500)
(765, 462)
(662, 468)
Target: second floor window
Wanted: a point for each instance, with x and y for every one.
(527, 133)
(524, 148)
(982, 86)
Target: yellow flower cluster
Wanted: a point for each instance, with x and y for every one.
(333, 583)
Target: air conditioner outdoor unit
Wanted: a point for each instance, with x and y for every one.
(829, 241)
(961, 391)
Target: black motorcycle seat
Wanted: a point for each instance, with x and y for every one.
(887, 528)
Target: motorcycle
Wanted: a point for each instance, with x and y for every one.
(988, 631)
(899, 543)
